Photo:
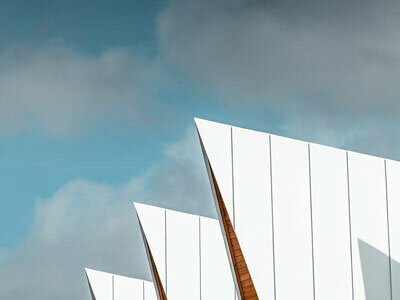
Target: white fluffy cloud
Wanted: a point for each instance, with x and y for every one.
(90, 224)
(328, 70)
(59, 91)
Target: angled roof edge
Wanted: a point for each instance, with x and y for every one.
(90, 270)
(198, 122)
(157, 281)
(139, 206)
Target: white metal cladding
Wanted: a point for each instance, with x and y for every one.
(149, 292)
(329, 219)
(101, 284)
(292, 219)
(216, 139)
(153, 223)
(194, 249)
(368, 225)
(183, 256)
(252, 203)
(107, 286)
(393, 185)
(126, 288)
(331, 223)
(216, 277)
(313, 222)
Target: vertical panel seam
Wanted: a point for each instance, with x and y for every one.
(272, 215)
(388, 231)
(200, 256)
(311, 218)
(350, 231)
(233, 179)
(112, 287)
(165, 251)
(233, 193)
(143, 290)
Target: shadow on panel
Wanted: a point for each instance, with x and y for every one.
(373, 261)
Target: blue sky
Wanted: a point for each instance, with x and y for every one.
(88, 28)
(97, 101)
(45, 163)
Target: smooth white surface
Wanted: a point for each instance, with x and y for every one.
(393, 185)
(101, 283)
(368, 224)
(183, 256)
(153, 222)
(252, 201)
(216, 140)
(126, 288)
(190, 268)
(292, 219)
(149, 291)
(183, 243)
(216, 277)
(331, 228)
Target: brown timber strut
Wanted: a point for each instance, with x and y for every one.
(158, 283)
(243, 278)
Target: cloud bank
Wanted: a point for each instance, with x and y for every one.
(57, 90)
(328, 70)
(87, 224)
(335, 64)
(276, 51)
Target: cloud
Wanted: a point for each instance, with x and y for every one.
(274, 50)
(314, 65)
(90, 224)
(331, 63)
(59, 91)
(327, 69)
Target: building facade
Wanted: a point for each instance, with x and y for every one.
(296, 220)
(107, 286)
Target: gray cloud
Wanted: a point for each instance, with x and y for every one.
(331, 63)
(327, 69)
(56, 90)
(82, 224)
(316, 65)
(94, 225)
(280, 50)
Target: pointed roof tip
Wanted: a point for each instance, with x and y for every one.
(200, 122)
(139, 206)
(197, 121)
(207, 129)
(89, 274)
(88, 270)
(141, 209)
